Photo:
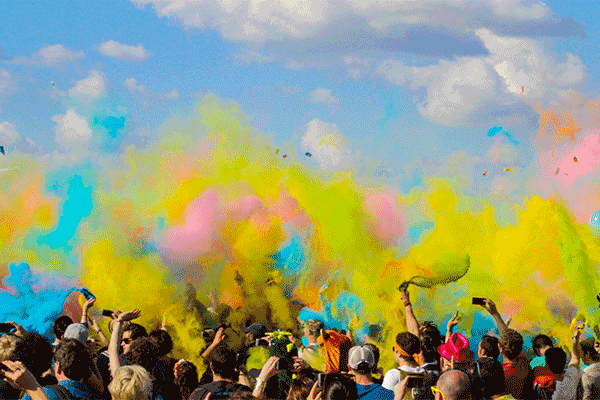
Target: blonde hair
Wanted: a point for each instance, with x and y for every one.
(131, 382)
(11, 347)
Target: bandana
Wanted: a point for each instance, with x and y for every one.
(405, 354)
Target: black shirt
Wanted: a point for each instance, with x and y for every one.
(217, 388)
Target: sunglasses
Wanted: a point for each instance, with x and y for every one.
(126, 340)
(435, 390)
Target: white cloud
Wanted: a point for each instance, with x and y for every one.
(134, 87)
(324, 96)
(123, 52)
(486, 89)
(327, 145)
(8, 134)
(93, 87)
(5, 82)
(72, 130)
(404, 25)
(50, 56)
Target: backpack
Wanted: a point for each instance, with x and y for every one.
(421, 389)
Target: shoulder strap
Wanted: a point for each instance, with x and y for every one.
(62, 392)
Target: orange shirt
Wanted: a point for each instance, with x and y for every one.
(331, 350)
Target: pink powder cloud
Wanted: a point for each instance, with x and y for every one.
(387, 224)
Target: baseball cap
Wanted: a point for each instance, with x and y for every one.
(77, 331)
(360, 356)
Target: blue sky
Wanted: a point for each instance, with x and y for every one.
(397, 83)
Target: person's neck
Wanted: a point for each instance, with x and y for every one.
(363, 379)
(407, 363)
(218, 378)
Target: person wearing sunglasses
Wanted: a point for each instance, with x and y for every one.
(452, 385)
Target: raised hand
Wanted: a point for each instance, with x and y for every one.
(130, 315)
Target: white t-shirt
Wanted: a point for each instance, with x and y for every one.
(392, 377)
(567, 389)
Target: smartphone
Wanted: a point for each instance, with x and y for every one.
(598, 297)
(6, 328)
(321, 379)
(479, 301)
(107, 313)
(415, 381)
(86, 293)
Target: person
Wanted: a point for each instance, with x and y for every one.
(186, 378)
(59, 326)
(12, 348)
(18, 376)
(590, 380)
(406, 353)
(452, 385)
(165, 363)
(222, 362)
(377, 372)
(72, 369)
(311, 329)
(254, 332)
(131, 382)
(566, 383)
(488, 347)
(431, 339)
(361, 361)
(300, 388)
(539, 345)
(488, 382)
(518, 375)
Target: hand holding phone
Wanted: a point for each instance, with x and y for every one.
(479, 301)
(86, 293)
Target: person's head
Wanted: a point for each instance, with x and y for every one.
(488, 377)
(556, 359)
(38, 354)
(361, 360)
(130, 382)
(431, 339)
(312, 328)
(163, 341)
(454, 384)
(143, 352)
(375, 350)
(407, 348)
(300, 388)
(589, 355)
(130, 333)
(510, 344)
(71, 360)
(540, 344)
(12, 348)
(488, 347)
(77, 331)
(223, 362)
(59, 326)
(186, 377)
(341, 388)
(255, 331)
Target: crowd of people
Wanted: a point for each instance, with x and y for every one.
(324, 364)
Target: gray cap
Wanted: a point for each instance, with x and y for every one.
(77, 331)
(361, 355)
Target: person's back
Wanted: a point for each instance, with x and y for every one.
(518, 375)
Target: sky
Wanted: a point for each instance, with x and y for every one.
(498, 98)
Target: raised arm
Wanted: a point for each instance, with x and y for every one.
(490, 306)
(219, 337)
(412, 324)
(115, 339)
(451, 324)
(19, 376)
(86, 307)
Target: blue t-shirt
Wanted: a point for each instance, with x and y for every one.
(374, 392)
(79, 391)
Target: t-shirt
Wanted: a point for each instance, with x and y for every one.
(78, 390)
(374, 392)
(331, 350)
(567, 388)
(518, 377)
(393, 376)
(216, 387)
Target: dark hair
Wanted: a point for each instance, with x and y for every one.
(488, 377)
(375, 351)
(556, 359)
(186, 378)
(408, 342)
(38, 354)
(430, 341)
(143, 352)
(223, 362)
(587, 346)
(60, 324)
(73, 358)
(341, 388)
(540, 341)
(511, 342)
(490, 345)
(163, 340)
(300, 388)
(137, 331)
